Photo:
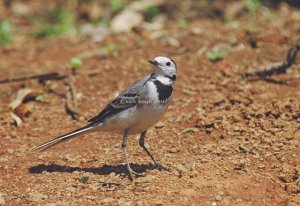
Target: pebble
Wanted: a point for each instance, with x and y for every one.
(124, 203)
(218, 198)
(159, 125)
(126, 20)
(147, 178)
(2, 201)
(181, 168)
(20, 9)
(10, 151)
(173, 150)
(221, 193)
(197, 30)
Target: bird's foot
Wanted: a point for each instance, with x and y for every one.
(133, 173)
(161, 167)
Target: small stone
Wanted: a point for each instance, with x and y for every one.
(2, 201)
(173, 150)
(10, 151)
(220, 193)
(181, 168)
(218, 198)
(112, 174)
(213, 204)
(126, 20)
(159, 125)
(173, 42)
(197, 30)
(20, 9)
(124, 203)
(147, 178)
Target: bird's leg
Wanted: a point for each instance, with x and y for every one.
(123, 145)
(142, 144)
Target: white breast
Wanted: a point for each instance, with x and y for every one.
(140, 117)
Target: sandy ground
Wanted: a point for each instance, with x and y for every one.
(229, 140)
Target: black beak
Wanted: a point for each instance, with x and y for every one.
(153, 62)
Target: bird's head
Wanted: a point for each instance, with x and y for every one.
(164, 66)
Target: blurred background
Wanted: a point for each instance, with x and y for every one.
(42, 19)
(231, 134)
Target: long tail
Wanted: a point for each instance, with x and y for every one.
(62, 138)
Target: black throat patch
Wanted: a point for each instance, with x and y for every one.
(164, 91)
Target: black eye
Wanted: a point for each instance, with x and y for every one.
(168, 63)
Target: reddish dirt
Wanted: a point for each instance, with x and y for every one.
(229, 140)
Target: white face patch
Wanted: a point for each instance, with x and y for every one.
(166, 66)
(164, 80)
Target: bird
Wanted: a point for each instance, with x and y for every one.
(134, 110)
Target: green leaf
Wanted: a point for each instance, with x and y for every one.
(76, 63)
(151, 12)
(116, 5)
(40, 98)
(201, 3)
(5, 32)
(109, 49)
(215, 55)
(56, 22)
(253, 5)
(182, 23)
(84, 179)
(289, 71)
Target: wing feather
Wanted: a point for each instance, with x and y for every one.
(127, 99)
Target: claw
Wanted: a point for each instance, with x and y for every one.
(161, 167)
(133, 173)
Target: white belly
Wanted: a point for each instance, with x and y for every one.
(140, 117)
(137, 120)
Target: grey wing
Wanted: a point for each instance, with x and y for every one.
(127, 99)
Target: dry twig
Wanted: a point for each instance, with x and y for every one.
(276, 68)
(71, 97)
(40, 77)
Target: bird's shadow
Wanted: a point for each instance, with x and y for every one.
(104, 170)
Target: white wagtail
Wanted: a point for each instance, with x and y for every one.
(136, 109)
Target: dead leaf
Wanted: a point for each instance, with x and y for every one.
(17, 119)
(21, 94)
(22, 111)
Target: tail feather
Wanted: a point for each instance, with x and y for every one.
(62, 138)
